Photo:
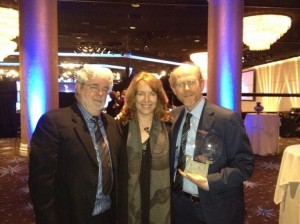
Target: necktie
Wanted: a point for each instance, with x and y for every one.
(178, 184)
(104, 157)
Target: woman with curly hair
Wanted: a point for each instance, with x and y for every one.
(144, 165)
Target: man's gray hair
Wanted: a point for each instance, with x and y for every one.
(90, 72)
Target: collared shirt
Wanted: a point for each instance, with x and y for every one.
(189, 186)
(102, 202)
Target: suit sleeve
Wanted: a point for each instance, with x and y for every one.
(42, 169)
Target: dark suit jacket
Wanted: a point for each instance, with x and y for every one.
(224, 202)
(63, 168)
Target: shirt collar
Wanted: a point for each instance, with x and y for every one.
(197, 111)
(86, 115)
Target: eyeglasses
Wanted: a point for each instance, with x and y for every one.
(190, 84)
(97, 88)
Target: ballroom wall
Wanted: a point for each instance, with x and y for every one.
(279, 77)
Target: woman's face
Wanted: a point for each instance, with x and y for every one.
(145, 99)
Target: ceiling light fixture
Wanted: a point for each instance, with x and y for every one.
(200, 59)
(9, 26)
(261, 31)
(135, 5)
(97, 55)
(88, 49)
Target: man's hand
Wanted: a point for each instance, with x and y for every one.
(197, 179)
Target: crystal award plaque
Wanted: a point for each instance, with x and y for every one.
(208, 149)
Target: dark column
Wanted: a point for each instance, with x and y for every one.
(38, 63)
(225, 30)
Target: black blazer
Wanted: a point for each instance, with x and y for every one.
(63, 168)
(224, 202)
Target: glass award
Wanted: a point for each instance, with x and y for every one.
(208, 149)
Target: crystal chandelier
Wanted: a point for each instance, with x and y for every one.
(9, 30)
(88, 49)
(261, 31)
(200, 59)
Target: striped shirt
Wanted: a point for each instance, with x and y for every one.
(102, 202)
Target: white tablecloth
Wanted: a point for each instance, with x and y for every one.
(287, 191)
(263, 132)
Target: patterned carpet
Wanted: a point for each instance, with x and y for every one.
(15, 206)
(260, 188)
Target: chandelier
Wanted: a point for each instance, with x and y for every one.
(200, 59)
(88, 49)
(261, 31)
(9, 26)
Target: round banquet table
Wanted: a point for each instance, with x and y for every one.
(263, 132)
(287, 191)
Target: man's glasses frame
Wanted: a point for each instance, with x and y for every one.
(96, 88)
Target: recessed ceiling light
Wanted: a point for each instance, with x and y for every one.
(132, 27)
(85, 23)
(135, 5)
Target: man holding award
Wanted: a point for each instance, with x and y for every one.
(211, 155)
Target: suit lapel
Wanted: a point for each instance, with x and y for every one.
(83, 133)
(174, 135)
(207, 117)
(206, 121)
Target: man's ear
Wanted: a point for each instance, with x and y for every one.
(170, 83)
(173, 90)
(202, 83)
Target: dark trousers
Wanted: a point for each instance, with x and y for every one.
(186, 211)
(103, 218)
